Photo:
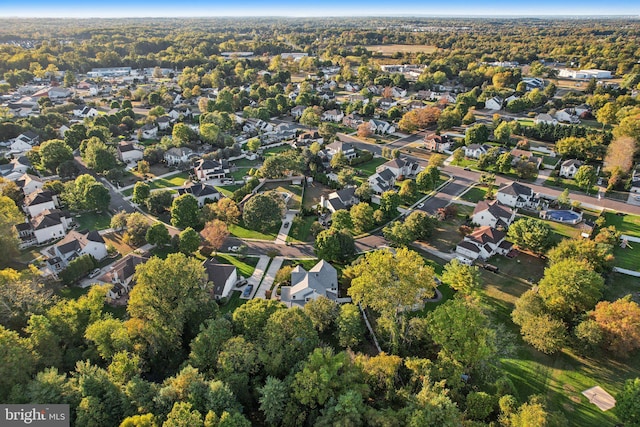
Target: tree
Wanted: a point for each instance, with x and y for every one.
(526, 169)
(346, 176)
(462, 332)
(476, 134)
(408, 190)
(215, 233)
(142, 167)
(398, 234)
(281, 165)
(184, 212)
(544, 332)
(209, 132)
(338, 160)
(389, 283)
(585, 177)
(182, 134)
(504, 162)
(21, 295)
(183, 415)
(17, 362)
(563, 198)
(10, 216)
(502, 133)
(350, 326)
(461, 277)
(323, 313)
(341, 220)
(627, 406)
(158, 234)
(620, 324)
(289, 336)
(334, 245)
(146, 420)
(310, 117)
(424, 181)
(53, 153)
(226, 210)
(141, 192)
(263, 211)
(250, 319)
(389, 202)
(364, 130)
(189, 241)
(208, 343)
(167, 305)
(137, 226)
(274, 396)
(570, 287)
(253, 144)
(419, 119)
(159, 202)
(69, 78)
(420, 225)
(597, 255)
(458, 155)
(531, 234)
(98, 156)
(479, 405)
(619, 154)
(361, 217)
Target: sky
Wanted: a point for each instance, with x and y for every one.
(311, 8)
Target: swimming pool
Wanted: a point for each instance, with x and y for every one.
(564, 216)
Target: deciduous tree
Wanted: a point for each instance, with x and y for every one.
(185, 212)
(334, 245)
(189, 241)
(215, 233)
(263, 211)
(531, 234)
(158, 234)
(620, 323)
(461, 277)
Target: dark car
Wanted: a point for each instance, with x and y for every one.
(491, 268)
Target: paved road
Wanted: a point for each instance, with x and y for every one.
(446, 195)
(118, 202)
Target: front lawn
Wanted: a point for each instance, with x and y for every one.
(627, 224)
(276, 150)
(369, 168)
(245, 266)
(559, 182)
(232, 302)
(475, 194)
(301, 229)
(93, 221)
(227, 190)
(241, 232)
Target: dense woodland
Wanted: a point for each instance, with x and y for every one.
(178, 359)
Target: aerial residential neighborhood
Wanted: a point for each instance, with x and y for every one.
(385, 221)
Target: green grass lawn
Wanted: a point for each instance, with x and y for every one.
(628, 257)
(475, 194)
(93, 221)
(245, 266)
(296, 190)
(275, 150)
(239, 174)
(227, 190)
(239, 231)
(369, 168)
(567, 183)
(300, 229)
(620, 285)
(173, 181)
(72, 292)
(627, 224)
(232, 303)
(246, 163)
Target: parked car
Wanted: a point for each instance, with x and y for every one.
(247, 291)
(241, 282)
(467, 168)
(420, 205)
(94, 273)
(286, 225)
(233, 249)
(491, 268)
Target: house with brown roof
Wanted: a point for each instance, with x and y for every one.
(483, 243)
(122, 274)
(437, 143)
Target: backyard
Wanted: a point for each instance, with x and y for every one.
(177, 180)
(475, 194)
(369, 168)
(295, 190)
(93, 221)
(301, 229)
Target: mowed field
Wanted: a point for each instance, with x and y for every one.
(390, 49)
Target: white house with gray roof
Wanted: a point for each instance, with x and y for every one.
(341, 199)
(320, 281)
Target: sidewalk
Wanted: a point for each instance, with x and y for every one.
(267, 282)
(256, 277)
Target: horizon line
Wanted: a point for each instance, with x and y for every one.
(547, 16)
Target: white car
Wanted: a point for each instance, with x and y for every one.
(95, 273)
(420, 205)
(233, 249)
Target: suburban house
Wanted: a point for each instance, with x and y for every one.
(398, 92)
(297, 111)
(74, 245)
(163, 122)
(567, 116)
(206, 169)
(474, 151)
(85, 112)
(223, 277)
(128, 152)
(582, 109)
(386, 103)
(493, 214)
(438, 143)
(568, 168)
(149, 131)
(511, 98)
(122, 274)
(341, 199)
(177, 155)
(483, 243)
(202, 192)
(382, 181)
(494, 103)
(545, 118)
(309, 137)
(352, 120)
(39, 201)
(358, 98)
(29, 183)
(333, 116)
(516, 195)
(25, 142)
(400, 167)
(49, 224)
(320, 281)
(533, 83)
(380, 126)
(17, 167)
(343, 147)
(59, 92)
(528, 156)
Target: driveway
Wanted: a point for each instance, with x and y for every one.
(256, 277)
(285, 227)
(267, 282)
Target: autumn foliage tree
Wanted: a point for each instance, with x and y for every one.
(419, 119)
(215, 233)
(620, 323)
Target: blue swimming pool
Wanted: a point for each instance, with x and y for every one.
(564, 216)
